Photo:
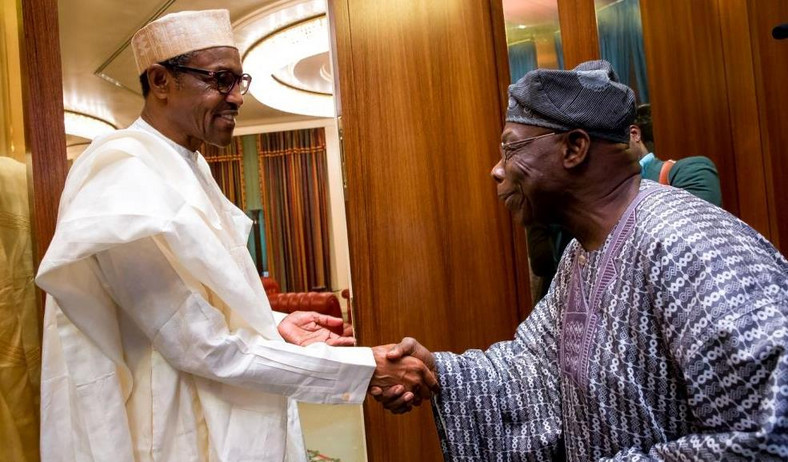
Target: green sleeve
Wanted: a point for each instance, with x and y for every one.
(697, 175)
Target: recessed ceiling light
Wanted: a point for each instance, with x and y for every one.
(300, 34)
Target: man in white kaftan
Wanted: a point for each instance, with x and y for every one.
(159, 342)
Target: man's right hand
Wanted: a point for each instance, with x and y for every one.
(405, 375)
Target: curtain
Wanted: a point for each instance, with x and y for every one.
(294, 181)
(621, 43)
(522, 58)
(256, 242)
(227, 168)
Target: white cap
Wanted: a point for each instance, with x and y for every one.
(178, 33)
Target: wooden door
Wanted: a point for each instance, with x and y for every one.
(433, 254)
(432, 248)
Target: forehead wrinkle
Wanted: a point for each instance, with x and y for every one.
(514, 132)
(218, 59)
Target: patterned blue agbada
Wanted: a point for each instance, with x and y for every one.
(668, 343)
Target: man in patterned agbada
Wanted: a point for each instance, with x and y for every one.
(663, 335)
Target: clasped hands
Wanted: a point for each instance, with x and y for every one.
(404, 374)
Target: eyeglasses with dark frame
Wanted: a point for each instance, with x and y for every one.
(510, 149)
(225, 80)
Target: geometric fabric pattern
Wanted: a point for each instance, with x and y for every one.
(668, 343)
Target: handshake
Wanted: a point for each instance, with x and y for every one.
(404, 375)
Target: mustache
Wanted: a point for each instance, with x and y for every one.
(231, 107)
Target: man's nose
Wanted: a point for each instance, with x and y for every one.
(235, 96)
(497, 171)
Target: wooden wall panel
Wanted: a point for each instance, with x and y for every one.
(579, 35)
(45, 136)
(770, 58)
(745, 127)
(688, 89)
(431, 246)
(717, 89)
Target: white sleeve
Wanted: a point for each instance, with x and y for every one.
(194, 337)
(278, 317)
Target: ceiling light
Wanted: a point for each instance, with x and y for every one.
(272, 62)
(86, 126)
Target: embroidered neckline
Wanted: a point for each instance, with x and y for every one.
(615, 240)
(581, 315)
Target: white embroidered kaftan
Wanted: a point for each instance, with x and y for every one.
(159, 342)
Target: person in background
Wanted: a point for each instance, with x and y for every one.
(159, 342)
(20, 350)
(663, 336)
(696, 175)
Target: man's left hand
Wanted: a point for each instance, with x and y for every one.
(305, 327)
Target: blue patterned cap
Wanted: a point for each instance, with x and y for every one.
(588, 97)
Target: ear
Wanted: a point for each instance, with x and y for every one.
(160, 80)
(634, 134)
(577, 143)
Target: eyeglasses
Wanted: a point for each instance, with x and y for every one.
(225, 80)
(510, 149)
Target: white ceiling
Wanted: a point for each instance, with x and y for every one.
(94, 37)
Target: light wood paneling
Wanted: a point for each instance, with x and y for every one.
(431, 246)
(579, 35)
(12, 139)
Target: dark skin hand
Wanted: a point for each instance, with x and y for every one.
(401, 381)
(397, 398)
(306, 327)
